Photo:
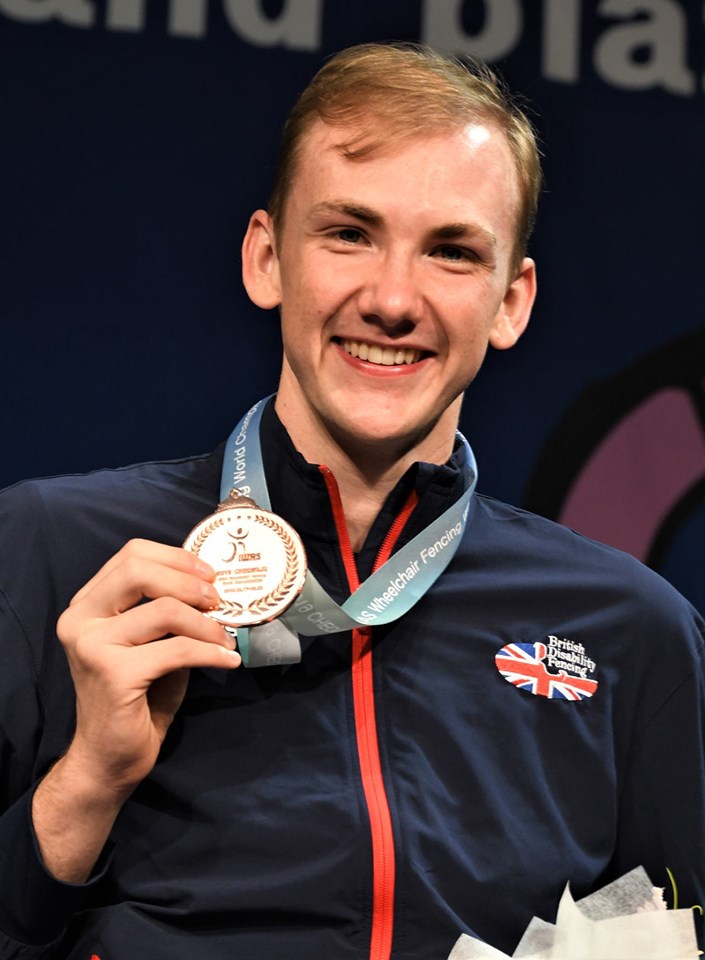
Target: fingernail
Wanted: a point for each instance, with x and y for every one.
(209, 593)
(230, 642)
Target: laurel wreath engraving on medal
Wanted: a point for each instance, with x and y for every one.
(205, 533)
(273, 599)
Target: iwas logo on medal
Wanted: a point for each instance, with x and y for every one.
(556, 668)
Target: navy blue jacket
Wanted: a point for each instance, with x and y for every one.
(252, 837)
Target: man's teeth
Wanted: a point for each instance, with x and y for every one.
(387, 356)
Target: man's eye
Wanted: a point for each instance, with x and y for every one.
(457, 254)
(348, 235)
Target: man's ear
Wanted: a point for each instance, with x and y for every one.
(260, 264)
(513, 315)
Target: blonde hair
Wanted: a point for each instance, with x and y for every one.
(386, 92)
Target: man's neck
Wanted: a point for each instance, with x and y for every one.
(363, 495)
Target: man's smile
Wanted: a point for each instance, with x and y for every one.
(384, 356)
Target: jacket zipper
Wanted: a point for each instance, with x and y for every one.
(383, 859)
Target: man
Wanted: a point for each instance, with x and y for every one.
(391, 790)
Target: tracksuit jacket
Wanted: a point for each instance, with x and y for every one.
(536, 719)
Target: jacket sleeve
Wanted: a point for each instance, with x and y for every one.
(34, 906)
(662, 802)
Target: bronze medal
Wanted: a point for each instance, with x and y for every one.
(258, 557)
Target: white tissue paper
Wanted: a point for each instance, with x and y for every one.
(626, 920)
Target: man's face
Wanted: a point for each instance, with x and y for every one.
(392, 274)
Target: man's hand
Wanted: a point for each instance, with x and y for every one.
(130, 662)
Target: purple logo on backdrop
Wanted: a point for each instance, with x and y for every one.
(627, 463)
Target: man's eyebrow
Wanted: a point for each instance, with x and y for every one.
(459, 231)
(347, 208)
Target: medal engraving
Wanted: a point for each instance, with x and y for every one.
(258, 558)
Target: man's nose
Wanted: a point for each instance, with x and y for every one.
(390, 296)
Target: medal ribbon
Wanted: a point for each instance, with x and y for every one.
(385, 596)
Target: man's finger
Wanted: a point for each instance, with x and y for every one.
(175, 558)
(136, 578)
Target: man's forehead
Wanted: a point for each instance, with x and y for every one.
(372, 136)
(327, 150)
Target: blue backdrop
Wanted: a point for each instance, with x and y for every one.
(137, 137)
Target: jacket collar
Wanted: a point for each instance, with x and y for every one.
(299, 494)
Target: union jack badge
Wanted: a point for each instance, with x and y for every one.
(556, 668)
